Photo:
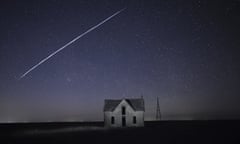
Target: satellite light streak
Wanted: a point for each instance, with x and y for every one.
(69, 43)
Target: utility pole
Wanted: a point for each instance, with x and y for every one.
(158, 113)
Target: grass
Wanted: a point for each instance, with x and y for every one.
(214, 131)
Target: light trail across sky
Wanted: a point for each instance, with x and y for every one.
(69, 43)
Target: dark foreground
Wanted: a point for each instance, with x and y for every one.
(93, 132)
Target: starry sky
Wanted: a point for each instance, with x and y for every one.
(184, 52)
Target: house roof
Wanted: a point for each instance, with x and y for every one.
(136, 104)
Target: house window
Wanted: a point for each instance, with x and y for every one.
(134, 120)
(123, 110)
(123, 121)
(112, 120)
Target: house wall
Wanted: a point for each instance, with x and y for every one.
(117, 114)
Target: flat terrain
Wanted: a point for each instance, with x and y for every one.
(214, 131)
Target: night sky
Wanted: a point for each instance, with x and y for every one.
(184, 52)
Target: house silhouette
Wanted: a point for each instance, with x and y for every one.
(124, 112)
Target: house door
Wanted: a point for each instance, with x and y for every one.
(123, 121)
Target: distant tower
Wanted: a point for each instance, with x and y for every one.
(158, 113)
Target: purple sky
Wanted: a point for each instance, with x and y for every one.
(185, 53)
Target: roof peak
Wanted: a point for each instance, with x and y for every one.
(124, 98)
(136, 103)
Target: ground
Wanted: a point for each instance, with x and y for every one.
(217, 131)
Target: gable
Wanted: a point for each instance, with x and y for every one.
(124, 103)
(135, 104)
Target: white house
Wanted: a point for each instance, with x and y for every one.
(124, 112)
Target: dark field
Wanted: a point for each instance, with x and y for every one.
(213, 131)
